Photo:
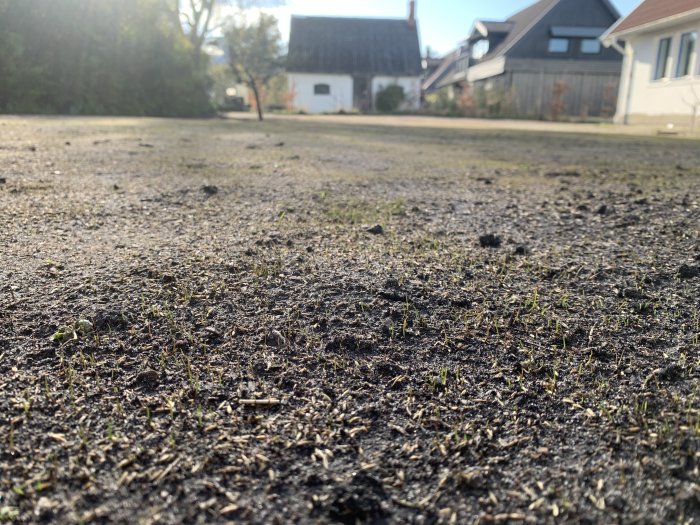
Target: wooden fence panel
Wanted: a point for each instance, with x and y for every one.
(544, 94)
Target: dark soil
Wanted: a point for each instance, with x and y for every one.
(262, 352)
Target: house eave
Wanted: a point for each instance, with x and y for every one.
(613, 35)
(491, 68)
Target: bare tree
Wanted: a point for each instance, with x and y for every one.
(255, 53)
(197, 19)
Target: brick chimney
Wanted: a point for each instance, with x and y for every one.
(412, 13)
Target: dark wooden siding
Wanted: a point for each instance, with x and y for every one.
(585, 13)
(528, 87)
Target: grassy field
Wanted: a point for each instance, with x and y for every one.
(309, 322)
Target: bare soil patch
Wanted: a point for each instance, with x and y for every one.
(314, 323)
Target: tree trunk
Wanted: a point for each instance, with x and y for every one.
(254, 86)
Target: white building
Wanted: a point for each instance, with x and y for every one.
(340, 64)
(660, 81)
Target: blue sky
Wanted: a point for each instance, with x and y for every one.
(443, 23)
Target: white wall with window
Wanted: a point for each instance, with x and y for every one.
(319, 93)
(661, 75)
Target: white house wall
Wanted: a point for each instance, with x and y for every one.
(301, 86)
(411, 88)
(642, 97)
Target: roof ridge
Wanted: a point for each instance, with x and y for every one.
(363, 18)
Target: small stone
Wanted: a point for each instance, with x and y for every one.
(148, 378)
(688, 272)
(672, 372)
(210, 190)
(44, 509)
(376, 230)
(603, 210)
(490, 241)
(522, 250)
(632, 293)
(83, 326)
(556, 174)
(275, 338)
(3, 180)
(212, 332)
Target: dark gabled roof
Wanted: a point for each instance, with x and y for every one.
(490, 27)
(520, 23)
(652, 11)
(373, 46)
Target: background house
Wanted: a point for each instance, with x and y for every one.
(340, 64)
(661, 69)
(542, 62)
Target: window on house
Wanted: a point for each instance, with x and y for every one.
(322, 89)
(480, 48)
(686, 53)
(662, 58)
(558, 45)
(590, 46)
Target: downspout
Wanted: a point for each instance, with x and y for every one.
(628, 53)
(617, 47)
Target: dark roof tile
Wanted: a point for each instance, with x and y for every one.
(520, 23)
(372, 46)
(653, 11)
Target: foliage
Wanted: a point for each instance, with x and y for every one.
(255, 52)
(197, 18)
(222, 79)
(88, 57)
(389, 98)
(277, 95)
(468, 100)
(440, 103)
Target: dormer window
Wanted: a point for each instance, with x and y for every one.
(590, 46)
(480, 48)
(558, 45)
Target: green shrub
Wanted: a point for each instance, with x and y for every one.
(389, 99)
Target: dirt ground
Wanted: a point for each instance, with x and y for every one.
(309, 322)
